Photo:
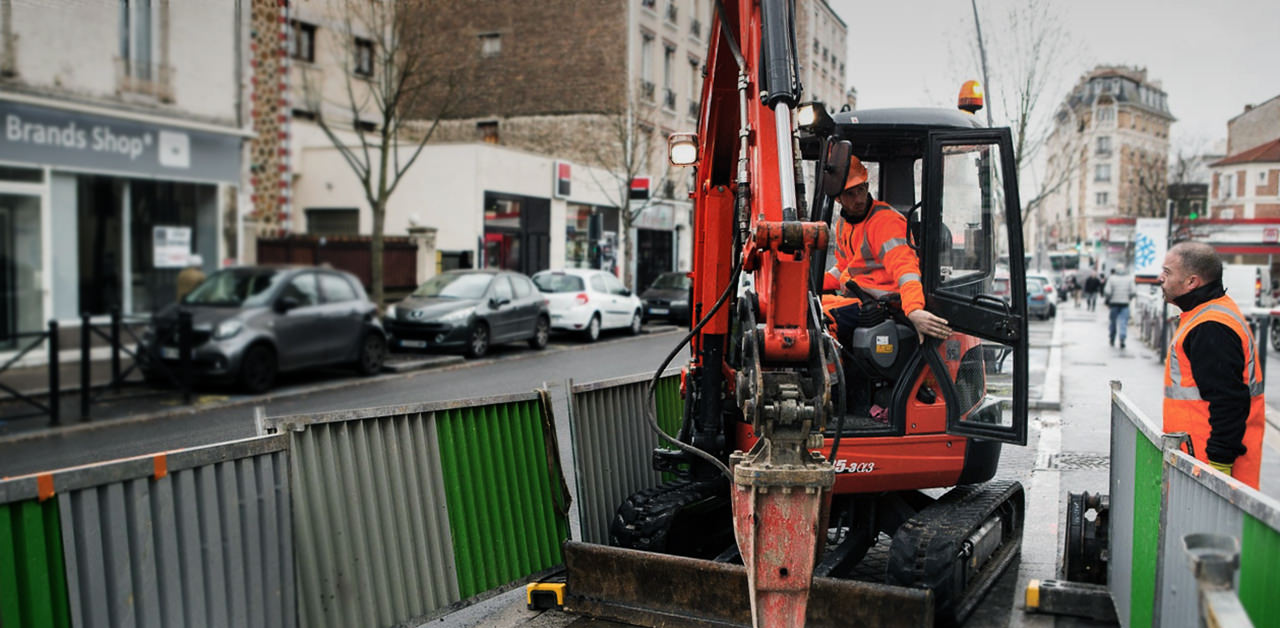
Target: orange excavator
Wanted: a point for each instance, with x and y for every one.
(799, 454)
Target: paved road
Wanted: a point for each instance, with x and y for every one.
(510, 369)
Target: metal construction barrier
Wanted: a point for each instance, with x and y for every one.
(403, 511)
(196, 537)
(1159, 495)
(613, 444)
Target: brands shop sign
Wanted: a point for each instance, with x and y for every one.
(44, 136)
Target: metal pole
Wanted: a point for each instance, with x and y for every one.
(115, 349)
(184, 353)
(55, 395)
(1164, 305)
(84, 366)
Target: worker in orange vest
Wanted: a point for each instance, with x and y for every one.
(1212, 378)
(872, 251)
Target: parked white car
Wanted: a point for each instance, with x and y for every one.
(587, 301)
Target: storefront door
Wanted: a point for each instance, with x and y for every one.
(21, 295)
(653, 256)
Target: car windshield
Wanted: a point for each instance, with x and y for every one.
(455, 286)
(556, 282)
(671, 281)
(236, 287)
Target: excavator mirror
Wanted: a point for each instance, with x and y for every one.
(835, 166)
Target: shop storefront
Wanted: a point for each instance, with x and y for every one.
(99, 212)
(517, 232)
(590, 237)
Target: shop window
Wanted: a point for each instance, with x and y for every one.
(21, 175)
(333, 221)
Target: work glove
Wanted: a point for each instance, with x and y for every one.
(1221, 466)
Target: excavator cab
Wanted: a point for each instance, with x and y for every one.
(952, 179)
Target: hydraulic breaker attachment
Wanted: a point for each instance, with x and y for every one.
(647, 589)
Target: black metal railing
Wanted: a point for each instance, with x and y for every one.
(114, 332)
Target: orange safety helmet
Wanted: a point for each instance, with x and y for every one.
(857, 173)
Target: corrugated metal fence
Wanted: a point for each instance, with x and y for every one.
(405, 510)
(612, 443)
(1160, 495)
(386, 515)
(198, 537)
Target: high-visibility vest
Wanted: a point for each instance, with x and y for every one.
(874, 253)
(1186, 411)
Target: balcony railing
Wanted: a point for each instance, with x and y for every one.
(155, 81)
(646, 90)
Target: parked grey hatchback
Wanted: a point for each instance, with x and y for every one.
(470, 311)
(251, 322)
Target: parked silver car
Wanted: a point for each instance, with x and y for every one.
(470, 311)
(251, 322)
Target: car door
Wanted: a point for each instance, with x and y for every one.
(972, 218)
(342, 317)
(619, 301)
(600, 294)
(299, 330)
(503, 313)
(528, 302)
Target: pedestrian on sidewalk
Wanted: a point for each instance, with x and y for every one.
(191, 276)
(1073, 287)
(1092, 286)
(1213, 388)
(1118, 293)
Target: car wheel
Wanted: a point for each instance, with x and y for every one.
(478, 343)
(592, 332)
(1274, 332)
(373, 352)
(636, 322)
(541, 333)
(258, 369)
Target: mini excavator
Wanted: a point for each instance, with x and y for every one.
(798, 455)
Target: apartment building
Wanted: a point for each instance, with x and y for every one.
(822, 43)
(1107, 163)
(121, 152)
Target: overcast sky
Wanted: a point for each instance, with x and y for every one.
(1212, 58)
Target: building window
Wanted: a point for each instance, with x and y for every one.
(646, 65)
(1102, 172)
(1106, 114)
(648, 4)
(135, 38)
(668, 70)
(490, 44)
(1102, 199)
(671, 12)
(487, 131)
(364, 57)
(1104, 145)
(1227, 185)
(365, 126)
(303, 114)
(333, 221)
(302, 41)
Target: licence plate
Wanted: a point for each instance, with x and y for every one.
(659, 310)
(169, 353)
(415, 344)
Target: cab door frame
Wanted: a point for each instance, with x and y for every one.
(980, 315)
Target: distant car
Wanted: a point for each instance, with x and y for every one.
(587, 301)
(470, 311)
(668, 298)
(1040, 297)
(251, 322)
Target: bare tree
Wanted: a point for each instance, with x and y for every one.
(1028, 49)
(1147, 179)
(632, 151)
(392, 96)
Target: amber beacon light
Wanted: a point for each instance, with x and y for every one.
(970, 98)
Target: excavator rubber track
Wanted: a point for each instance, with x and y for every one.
(682, 517)
(954, 548)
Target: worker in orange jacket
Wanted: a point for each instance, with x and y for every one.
(872, 251)
(1213, 387)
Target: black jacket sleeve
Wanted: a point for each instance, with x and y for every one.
(1217, 361)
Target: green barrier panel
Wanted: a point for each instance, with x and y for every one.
(670, 409)
(505, 499)
(1259, 579)
(31, 566)
(1147, 490)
